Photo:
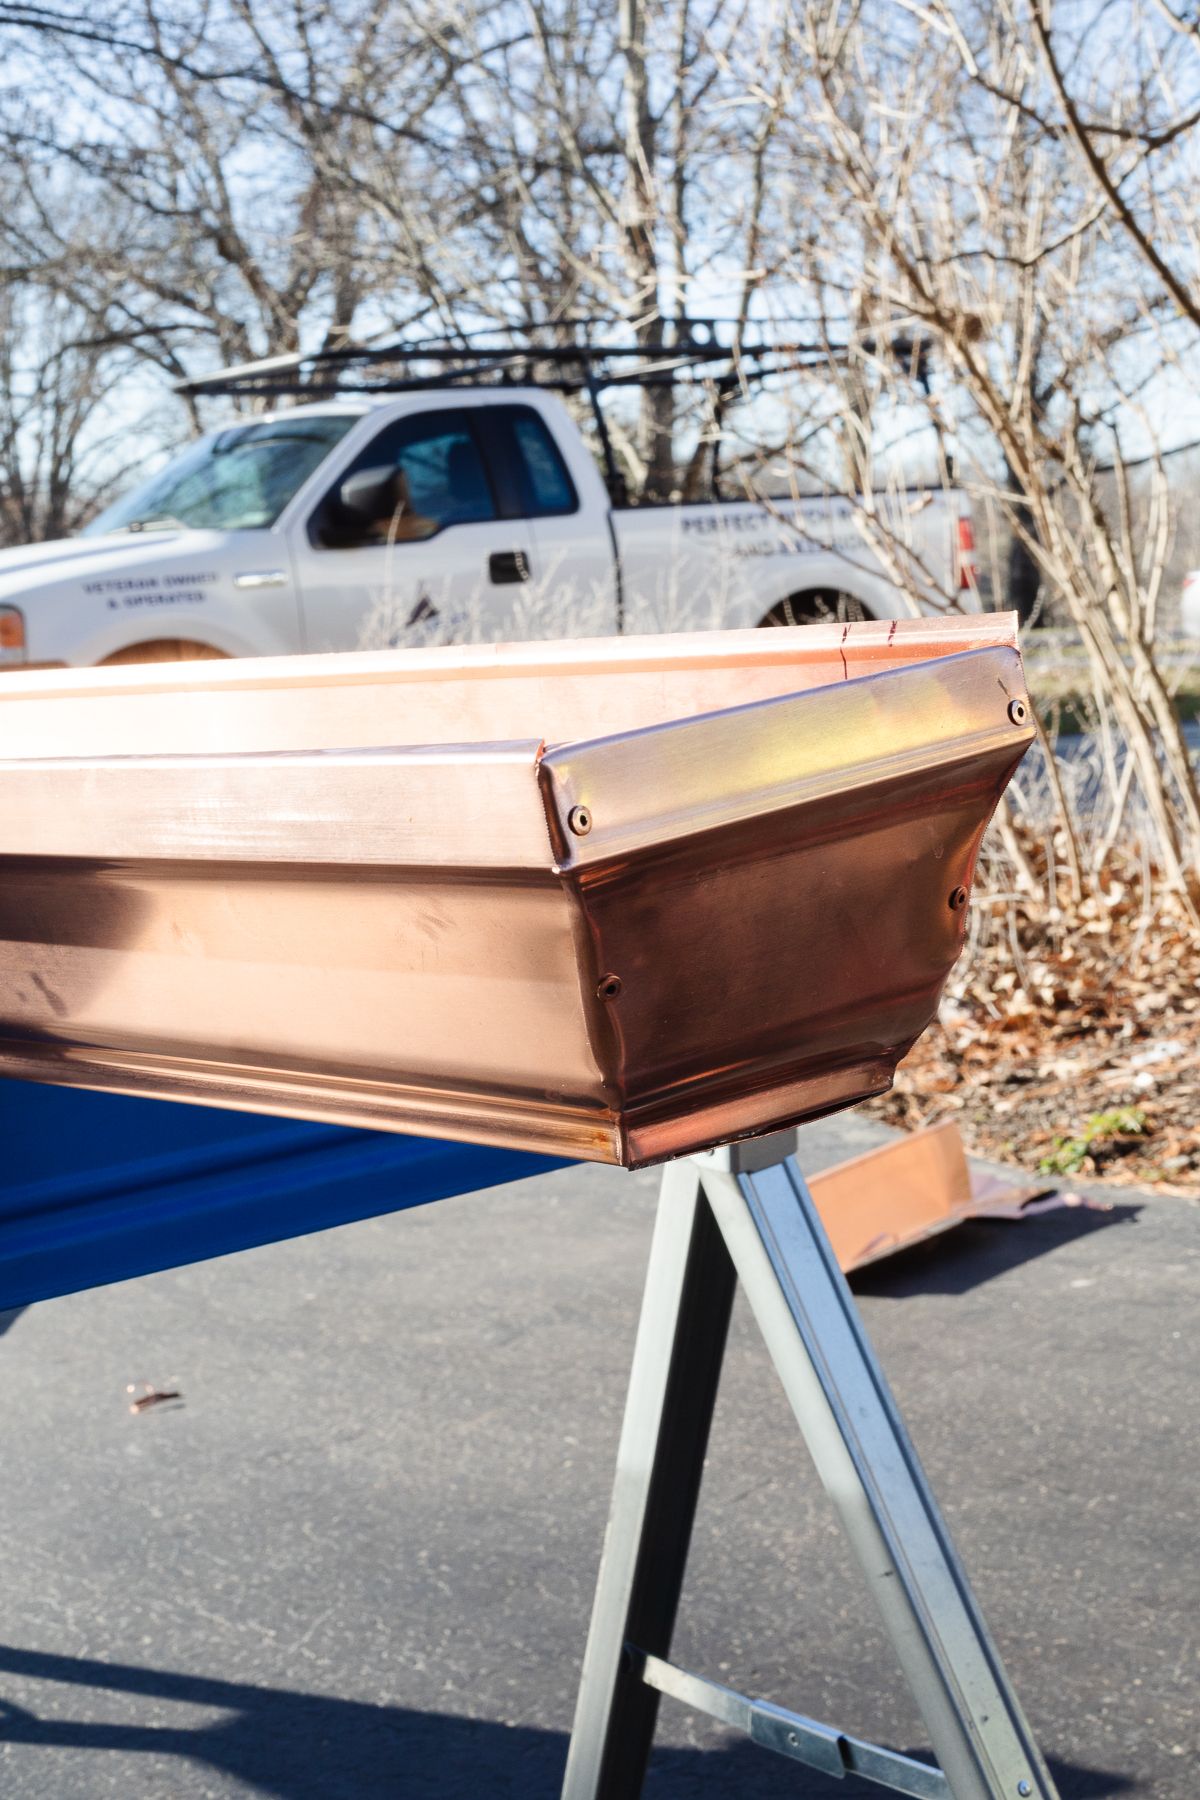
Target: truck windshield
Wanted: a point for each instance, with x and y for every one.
(236, 480)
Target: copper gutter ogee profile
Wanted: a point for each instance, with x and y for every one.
(616, 900)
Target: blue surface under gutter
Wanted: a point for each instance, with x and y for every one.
(100, 1187)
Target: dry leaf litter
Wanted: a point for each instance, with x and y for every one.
(1068, 1039)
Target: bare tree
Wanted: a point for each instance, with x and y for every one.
(610, 174)
(66, 355)
(225, 137)
(287, 177)
(1014, 193)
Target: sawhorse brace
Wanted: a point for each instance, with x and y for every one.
(744, 1213)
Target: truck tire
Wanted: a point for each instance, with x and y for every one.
(819, 607)
(163, 650)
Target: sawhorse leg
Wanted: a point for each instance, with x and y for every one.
(746, 1210)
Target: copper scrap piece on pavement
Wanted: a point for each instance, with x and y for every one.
(903, 1193)
(147, 1395)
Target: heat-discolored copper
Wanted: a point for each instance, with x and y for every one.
(350, 888)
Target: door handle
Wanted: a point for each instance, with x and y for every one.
(508, 565)
(261, 578)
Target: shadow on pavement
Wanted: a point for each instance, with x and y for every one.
(971, 1254)
(8, 1319)
(303, 1746)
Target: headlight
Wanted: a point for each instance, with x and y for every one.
(12, 635)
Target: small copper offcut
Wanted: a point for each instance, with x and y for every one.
(617, 900)
(912, 1189)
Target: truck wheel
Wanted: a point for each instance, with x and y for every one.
(820, 607)
(163, 650)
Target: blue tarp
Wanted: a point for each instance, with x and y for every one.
(99, 1187)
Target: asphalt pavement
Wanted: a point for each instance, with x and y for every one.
(355, 1558)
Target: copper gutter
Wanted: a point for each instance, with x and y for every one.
(617, 900)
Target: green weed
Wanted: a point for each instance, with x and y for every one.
(1070, 1153)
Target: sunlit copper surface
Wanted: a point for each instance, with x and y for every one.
(618, 900)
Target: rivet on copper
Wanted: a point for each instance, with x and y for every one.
(1018, 712)
(580, 820)
(958, 899)
(609, 987)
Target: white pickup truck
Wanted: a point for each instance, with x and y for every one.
(447, 515)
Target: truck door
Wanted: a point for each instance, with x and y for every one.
(572, 590)
(408, 545)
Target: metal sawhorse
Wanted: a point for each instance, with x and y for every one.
(744, 1213)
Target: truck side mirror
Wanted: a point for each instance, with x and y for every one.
(368, 495)
(362, 500)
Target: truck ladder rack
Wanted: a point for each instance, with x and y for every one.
(690, 356)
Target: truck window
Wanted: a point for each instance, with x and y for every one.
(528, 473)
(549, 488)
(418, 477)
(239, 479)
